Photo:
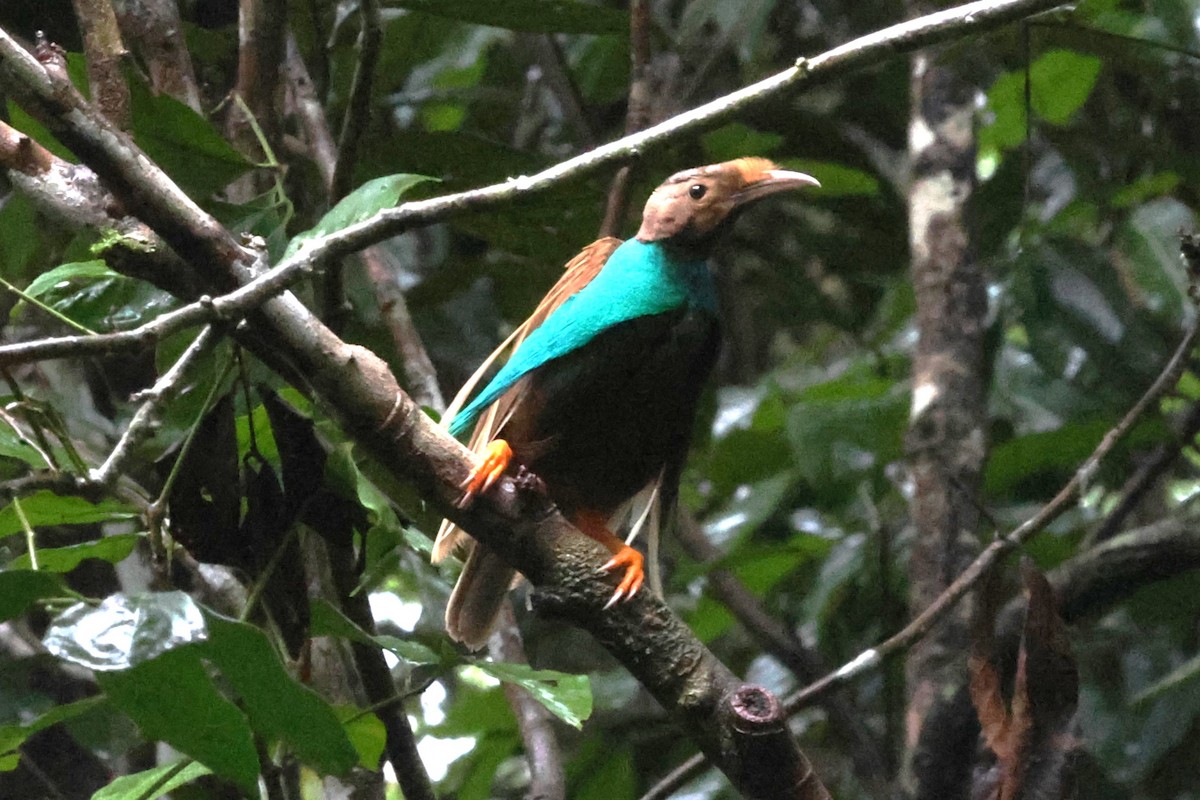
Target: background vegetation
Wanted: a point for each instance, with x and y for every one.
(797, 531)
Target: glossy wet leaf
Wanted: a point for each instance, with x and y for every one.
(359, 205)
(154, 782)
(173, 699)
(566, 696)
(279, 707)
(125, 630)
(64, 559)
(46, 508)
(63, 275)
(20, 588)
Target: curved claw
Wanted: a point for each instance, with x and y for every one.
(495, 461)
(634, 577)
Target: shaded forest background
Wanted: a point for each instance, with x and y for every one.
(820, 512)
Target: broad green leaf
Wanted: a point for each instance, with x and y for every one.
(172, 699)
(1149, 240)
(12, 736)
(751, 505)
(61, 275)
(737, 140)
(845, 426)
(183, 143)
(837, 180)
(329, 621)
(125, 630)
(19, 588)
(366, 733)
(844, 563)
(46, 508)
(566, 696)
(357, 206)
(1062, 81)
(64, 559)
(531, 16)
(154, 782)
(279, 707)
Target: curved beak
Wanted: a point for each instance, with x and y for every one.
(775, 180)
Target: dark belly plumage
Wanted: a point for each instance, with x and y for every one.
(599, 423)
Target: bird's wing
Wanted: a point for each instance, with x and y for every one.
(577, 274)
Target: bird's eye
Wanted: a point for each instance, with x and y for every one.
(697, 191)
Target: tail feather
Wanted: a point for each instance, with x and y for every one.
(477, 597)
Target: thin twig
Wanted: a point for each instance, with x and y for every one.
(873, 657)
(144, 421)
(173, 215)
(987, 559)
(637, 114)
(358, 107)
(354, 123)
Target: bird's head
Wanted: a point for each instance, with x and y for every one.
(692, 207)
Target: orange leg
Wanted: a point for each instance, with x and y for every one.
(595, 525)
(495, 461)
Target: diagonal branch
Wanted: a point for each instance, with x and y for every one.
(700, 693)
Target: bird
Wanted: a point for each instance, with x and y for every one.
(598, 395)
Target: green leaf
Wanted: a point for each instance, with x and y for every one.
(329, 621)
(279, 707)
(566, 696)
(837, 180)
(172, 699)
(736, 140)
(847, 425)
(154, 782)
(46, 508)
(844, 563)
(125, 630)
(64, 559)
(63, 274)
(1062, 82)
(359, 205)
(19, 588)
(1149, 240)
(13, 736)
(183, 143)
(366, 732)
(531, 16)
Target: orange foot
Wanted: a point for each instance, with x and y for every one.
(595, 525)
(634, 577)
(495, 461)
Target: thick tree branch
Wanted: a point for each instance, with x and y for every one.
(355, 384)
(643, 633)
(104, 50)
(946, 441)
(155, 30)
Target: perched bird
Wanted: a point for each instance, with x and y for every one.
(598, 396)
